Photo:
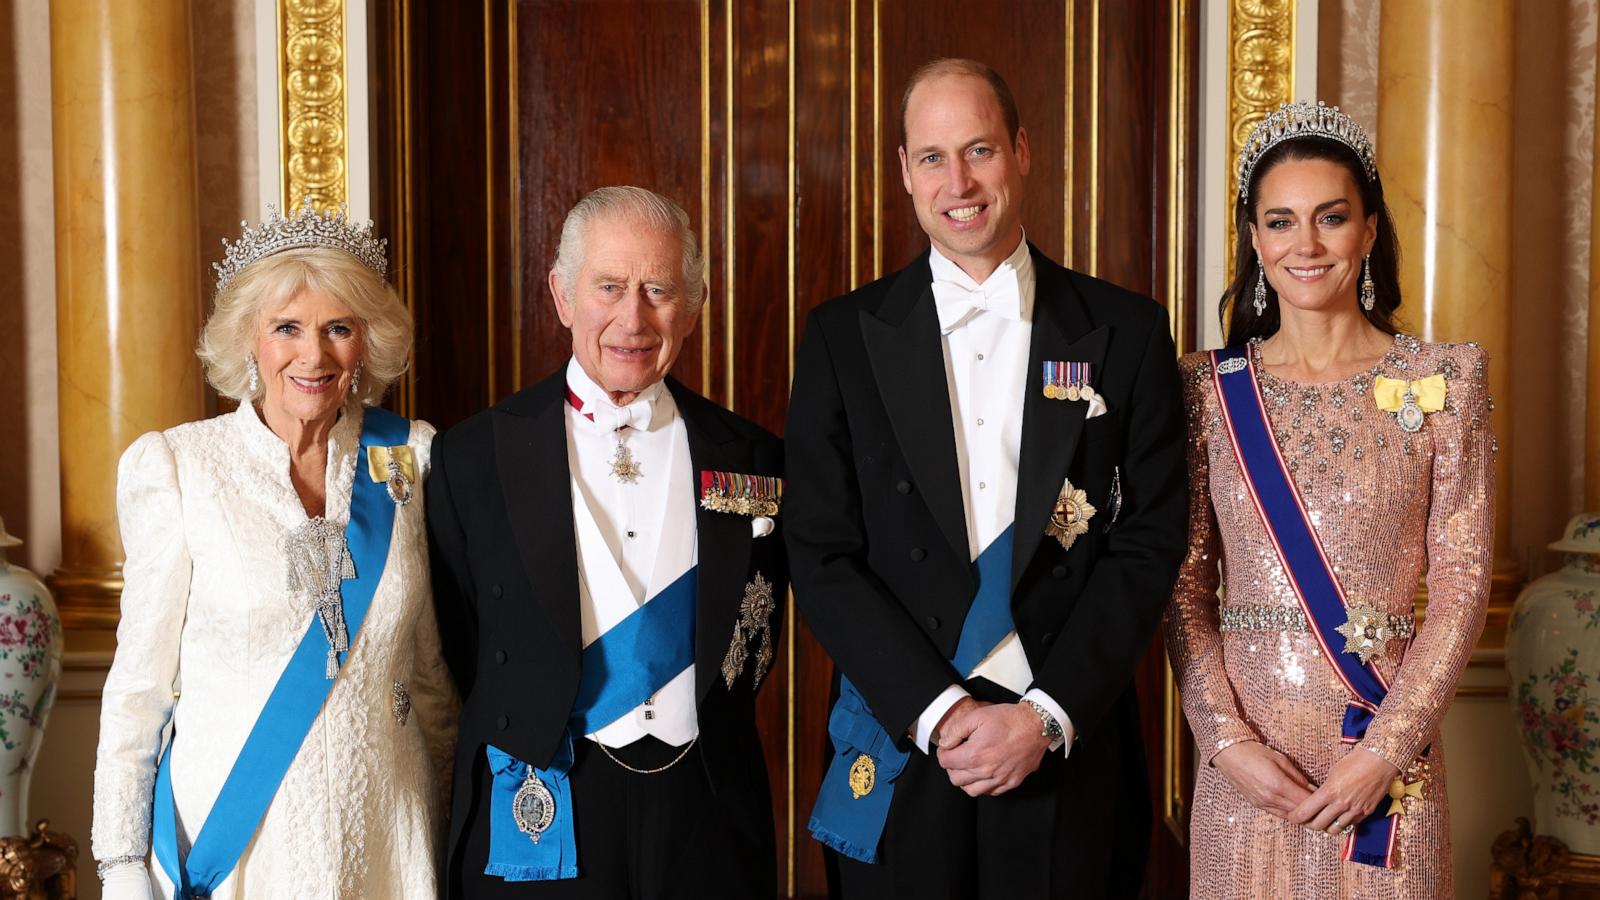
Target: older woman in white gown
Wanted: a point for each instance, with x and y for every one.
(277, 720)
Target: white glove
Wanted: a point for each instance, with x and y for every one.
(130, 881)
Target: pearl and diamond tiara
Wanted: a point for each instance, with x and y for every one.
(306, 228)
(1303, 119)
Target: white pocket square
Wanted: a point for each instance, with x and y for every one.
(760, 526)
(1097, 407)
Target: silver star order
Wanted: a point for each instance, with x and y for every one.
(1366, 633)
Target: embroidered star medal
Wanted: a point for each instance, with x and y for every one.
(624, 467)
(1366, 633)
(1071, 516)
(755, 622)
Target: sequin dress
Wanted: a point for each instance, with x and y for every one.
(1387, 505)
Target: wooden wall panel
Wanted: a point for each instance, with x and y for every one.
(1026, 41)
(631, 117)
(775, 123)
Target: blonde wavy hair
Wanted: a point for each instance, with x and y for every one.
(383, 323)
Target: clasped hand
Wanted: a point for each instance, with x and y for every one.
(989, 748)
(1269, 781)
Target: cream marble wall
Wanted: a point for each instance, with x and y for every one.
(225, 99)
(1554, 102)
(29, 497)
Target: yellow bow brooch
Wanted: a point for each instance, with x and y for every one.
(1410, 401)
(395, 469)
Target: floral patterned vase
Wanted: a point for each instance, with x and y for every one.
(1553, 659)
(30, 667)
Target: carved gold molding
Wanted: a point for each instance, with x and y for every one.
(311, 90)
(1260, 76)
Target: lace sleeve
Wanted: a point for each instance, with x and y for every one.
(137, 700)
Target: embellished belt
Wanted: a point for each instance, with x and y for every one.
(1256, 617)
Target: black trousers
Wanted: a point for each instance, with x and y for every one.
(1076, 828)
(641, 837)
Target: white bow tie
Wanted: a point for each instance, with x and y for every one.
(957, 303)
(615, 418)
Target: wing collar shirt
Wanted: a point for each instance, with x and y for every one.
(986, 331)
(634, 538)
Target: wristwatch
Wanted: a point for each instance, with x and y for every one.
(1052, 728)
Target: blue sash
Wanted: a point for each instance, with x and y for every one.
(1321, 596)
(295, 701)
(852, 823)
(618, 671)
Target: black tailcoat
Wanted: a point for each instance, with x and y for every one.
(877, 527)
(505, 578)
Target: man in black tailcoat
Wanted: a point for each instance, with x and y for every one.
(609, 574)
(983, 399)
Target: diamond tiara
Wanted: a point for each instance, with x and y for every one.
(306, 228)
(1303, 119)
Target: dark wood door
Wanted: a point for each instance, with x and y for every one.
(775, 124)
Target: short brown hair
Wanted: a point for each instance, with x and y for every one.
(973, 69)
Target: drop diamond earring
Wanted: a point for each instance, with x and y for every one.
(355, 381)
(1369, 297)
(1261, 290)
(254, 372)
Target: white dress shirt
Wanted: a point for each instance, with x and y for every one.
(986, 336)
(634, 539)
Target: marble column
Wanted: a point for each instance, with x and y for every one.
(1444, 152)
(1591, 419)
(127, 265)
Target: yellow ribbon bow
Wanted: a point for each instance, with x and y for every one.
(378, 463)
(1399, 790)
(1427, 392)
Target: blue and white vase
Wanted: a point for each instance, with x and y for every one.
(30, 669)
(1553, 660)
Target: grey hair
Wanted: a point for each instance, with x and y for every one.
(634, 204)
(383, 322)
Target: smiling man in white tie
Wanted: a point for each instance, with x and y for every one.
(986, 563)
(608, 574)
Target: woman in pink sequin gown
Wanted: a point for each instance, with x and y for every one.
(1276, 786)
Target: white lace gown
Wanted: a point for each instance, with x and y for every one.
(208, 624)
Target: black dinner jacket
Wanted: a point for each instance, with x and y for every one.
(876, 525)
(505, 584)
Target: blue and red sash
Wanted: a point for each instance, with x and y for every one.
(1316, 587)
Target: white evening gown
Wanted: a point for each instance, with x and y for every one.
(208, 624)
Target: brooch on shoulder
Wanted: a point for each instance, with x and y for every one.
(396, 469)
(1410, 401)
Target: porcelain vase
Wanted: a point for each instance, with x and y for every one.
(1553, 660)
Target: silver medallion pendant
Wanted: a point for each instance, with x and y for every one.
(1410, 415)
(398, 485)
(533, 807)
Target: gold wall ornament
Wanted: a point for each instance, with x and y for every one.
(1260, 76)
(312, 101)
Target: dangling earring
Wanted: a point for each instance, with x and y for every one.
(254, 373)
(1261, 290)
(1369, 297)
(355, 381)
